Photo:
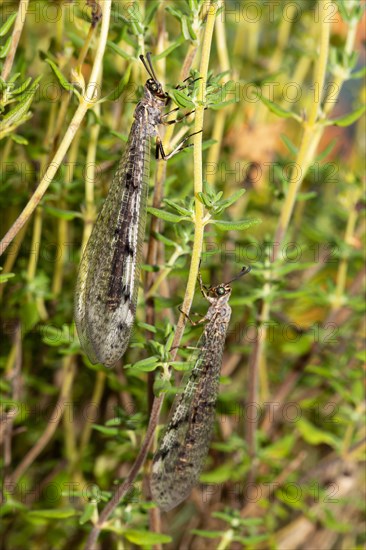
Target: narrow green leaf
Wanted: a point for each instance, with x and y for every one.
(146, 365)
(5, 276)
(163, 239)
(225, 203)
(290, 146)
(106, 430)
(358, 74)
(169, 50)
(60, 77)
(117, 92)
(208, 534)
(147, 326)
(8, 23)
(349, 119)
(180, 99)
(88, 513)
(152, 7)
(63, 214)
(163, 215)
(314, 435)
(177, 207)
(19, 139)
(22, 87)
(146, 538)
(278, 110)
(5, 49)
(119, 135)
(235, 226)
(53, 514)
(118, 50)
(175, 12)
(202, 197)
(221, 104)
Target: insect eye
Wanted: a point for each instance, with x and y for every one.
(221, 291)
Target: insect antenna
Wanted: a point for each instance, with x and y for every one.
(148, 65)
(244, 271)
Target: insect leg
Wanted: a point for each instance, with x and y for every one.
(179, 147)
(193, 323)
(176, 119)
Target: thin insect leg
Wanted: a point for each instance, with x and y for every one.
(181, 87)
(203, 287)
(180, 146)
(177, 119)
(170, 112)
(193, 323)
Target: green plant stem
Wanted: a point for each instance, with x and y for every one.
(197, 168)
(17, 31)
(86, 102)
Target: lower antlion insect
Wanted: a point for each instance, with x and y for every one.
(109, 273)
(179, 460)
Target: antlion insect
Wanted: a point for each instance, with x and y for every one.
(109, 273)
(179, 460)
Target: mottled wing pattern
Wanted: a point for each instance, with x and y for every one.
(108, 279)
(185, 444)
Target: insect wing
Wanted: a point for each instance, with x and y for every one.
(185, 444)
(108, 279)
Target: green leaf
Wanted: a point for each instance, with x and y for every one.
(118, 50)
(148, 327)
(152, 7)
(358, 74)
(171, 48)
(163, 239)
(178, 208)
(349, 119)
(144, 538)
(5, 276)
(235, 226)
(306, 196)
(60, 77)
(106, 430)
(19, 139)
(207, 534)
(181, 99)
(22, 87)
(146, 365)
(5, 49)
(290, 146)
(119, 135)
(225, 203)
(88, 513)
(163, 215)
(117, 92)
(278, 110)
(53, 514)
(63, 214)
(8, 23)
(313, 435)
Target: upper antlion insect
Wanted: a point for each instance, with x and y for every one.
(108, 279)
(179, 460)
